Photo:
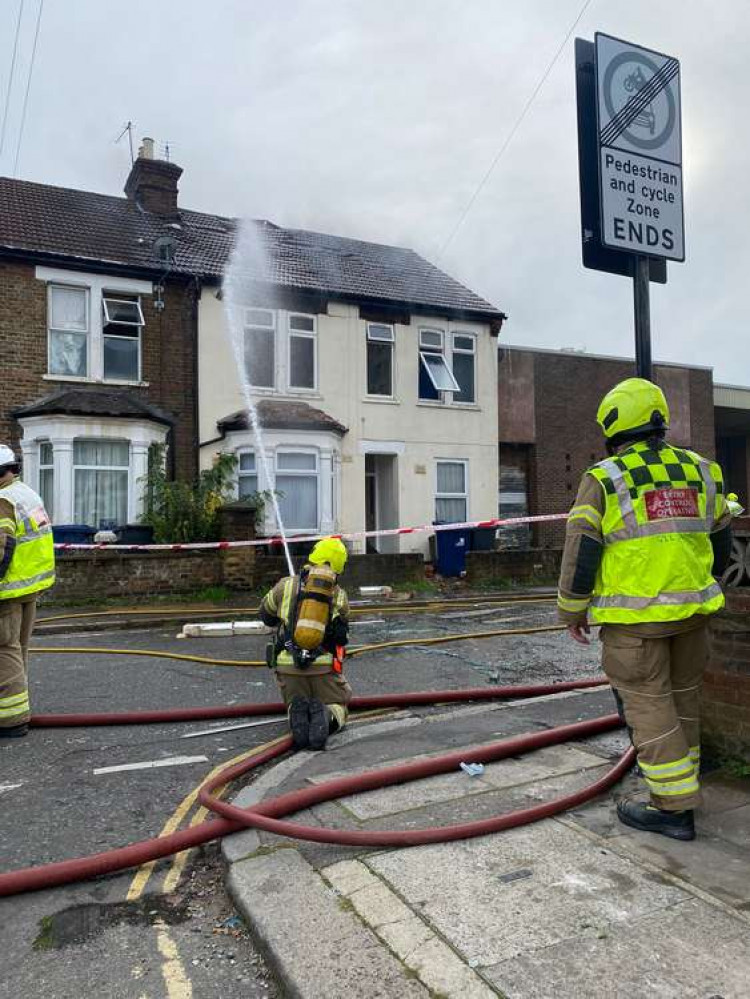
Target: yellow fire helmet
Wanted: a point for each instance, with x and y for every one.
(331, 551)
(634, 406)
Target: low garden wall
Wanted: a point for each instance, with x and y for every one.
(525, 565)
(726, 690)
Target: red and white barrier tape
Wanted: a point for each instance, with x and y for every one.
(297, 538)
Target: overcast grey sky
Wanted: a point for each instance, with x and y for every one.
(378, 118)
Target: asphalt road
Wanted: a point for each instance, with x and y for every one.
(186, 943)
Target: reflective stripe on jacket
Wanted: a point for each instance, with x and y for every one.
(660, 508)
(32, 567)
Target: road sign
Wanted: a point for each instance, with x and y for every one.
(594, 255)
(640, 149)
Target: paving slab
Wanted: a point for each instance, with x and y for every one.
(467, 892)
(688, 951)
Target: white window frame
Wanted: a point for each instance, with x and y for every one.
(52, 287)
(434, 350)
(301, 473)
(49, 503)
(305, 335)
(135, 300)
(456, 334)
(453, 496)
(104, 468)
(390, 338)
(240, 474)
(274, 329)
(96, 286)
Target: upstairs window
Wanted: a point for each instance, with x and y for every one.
(122, 321)
(435, 376)
(260, 347)
(462, 363)
(380, 344)
(302, 349)
(68, 317)
(247, 475)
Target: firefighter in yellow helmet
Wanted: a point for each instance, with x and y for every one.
(27, 566)
(645, 539)
(311, 612)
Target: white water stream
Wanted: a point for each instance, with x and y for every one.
(247, 266)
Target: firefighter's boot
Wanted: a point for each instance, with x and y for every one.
(299, 722)
(639, 815)
(320, 724)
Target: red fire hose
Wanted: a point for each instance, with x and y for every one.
(269, 814)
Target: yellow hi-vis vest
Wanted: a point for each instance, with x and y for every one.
(32, 567)
(322, 662)
(660, 508)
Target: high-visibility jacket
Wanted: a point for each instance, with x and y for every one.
(284, 609)
(660, 508)
(32, 565)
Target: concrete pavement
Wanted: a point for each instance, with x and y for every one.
(577, 906)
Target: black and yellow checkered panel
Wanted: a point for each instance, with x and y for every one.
(662, 469)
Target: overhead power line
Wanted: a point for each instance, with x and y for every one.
(28, 87)
(514, 129)
(11, 76)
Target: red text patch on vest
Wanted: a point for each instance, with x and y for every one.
(662, 504)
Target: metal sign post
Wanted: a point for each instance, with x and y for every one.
(637, 168)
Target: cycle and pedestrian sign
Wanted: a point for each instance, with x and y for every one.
(639, 138)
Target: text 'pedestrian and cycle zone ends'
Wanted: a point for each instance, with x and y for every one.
(640, 149)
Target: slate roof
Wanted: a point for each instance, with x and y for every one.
(93, 402)
(277, 415)
(100, 229)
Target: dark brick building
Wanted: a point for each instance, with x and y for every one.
(547, 423)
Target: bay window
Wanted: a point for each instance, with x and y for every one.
(451, 493)
(100, 482)
(247, 474)
(297, 488)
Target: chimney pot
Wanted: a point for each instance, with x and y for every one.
(146, 151)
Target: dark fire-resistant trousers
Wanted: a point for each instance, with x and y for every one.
(658, 681)
(16, 624)
(331, 688)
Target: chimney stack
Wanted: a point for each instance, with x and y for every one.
(152, 183)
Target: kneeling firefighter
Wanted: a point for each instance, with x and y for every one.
(649, 531)
(311, 612)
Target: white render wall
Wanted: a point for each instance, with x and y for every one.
(418, 432)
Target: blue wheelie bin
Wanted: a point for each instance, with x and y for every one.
(451, 547)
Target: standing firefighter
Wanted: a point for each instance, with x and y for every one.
(27, 566)
(649, 530)
(312, 614)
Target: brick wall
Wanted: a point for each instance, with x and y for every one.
(526, 565)
(567, 391)
(145, 574)
(726, 691)
(167, 361)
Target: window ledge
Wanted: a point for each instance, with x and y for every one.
(93, 381)
(470, 406)
(382, 400)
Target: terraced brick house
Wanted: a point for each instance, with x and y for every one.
(375, 372)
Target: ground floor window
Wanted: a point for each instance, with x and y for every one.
(101, 470)
(47, 478)
(247, 475)
(451, 493)
(297, 488)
